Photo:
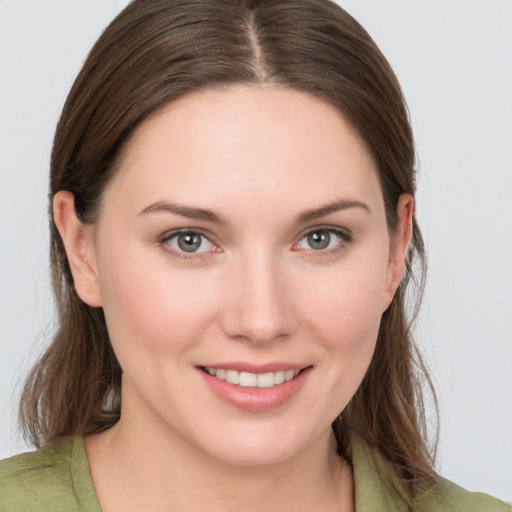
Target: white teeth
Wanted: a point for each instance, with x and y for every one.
(247, 379)
(279, 377)
(288, 375)
(266, 380)
(232, 376)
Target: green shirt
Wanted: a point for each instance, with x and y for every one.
(57, 478)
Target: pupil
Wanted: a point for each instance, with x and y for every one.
(189, 242)
(319, 240)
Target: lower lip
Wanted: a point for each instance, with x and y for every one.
(254, 399)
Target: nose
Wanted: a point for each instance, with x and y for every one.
(259, 303)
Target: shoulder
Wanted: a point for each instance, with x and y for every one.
(377, 490)
(39, 480)
(447, 496)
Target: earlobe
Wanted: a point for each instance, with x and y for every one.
(79, 245)
(401, 239)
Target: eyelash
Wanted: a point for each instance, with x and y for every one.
(343, 234)
(345, 238)
(165, 240)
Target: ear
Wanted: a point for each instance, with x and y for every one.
(79, 244)
(399, 244)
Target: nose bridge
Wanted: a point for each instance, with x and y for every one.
(260, 308)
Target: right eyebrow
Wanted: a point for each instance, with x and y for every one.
(184, 211)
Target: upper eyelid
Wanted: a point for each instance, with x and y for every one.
(174, 232)
(164, 239)
(345, 232)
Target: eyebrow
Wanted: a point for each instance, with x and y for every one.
(184, 211)
(336, 206)
(210, 216)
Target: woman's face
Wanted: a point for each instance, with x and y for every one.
(243, 243)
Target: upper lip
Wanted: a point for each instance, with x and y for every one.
(256, 368)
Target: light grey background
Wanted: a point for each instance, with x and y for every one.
(454, 60)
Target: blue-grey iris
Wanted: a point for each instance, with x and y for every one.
(189, 242)
(319, 240)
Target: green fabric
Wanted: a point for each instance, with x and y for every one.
(57, 478)
(375, 494)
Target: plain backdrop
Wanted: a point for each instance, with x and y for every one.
(454, 60)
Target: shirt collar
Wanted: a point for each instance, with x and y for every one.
(373, 490)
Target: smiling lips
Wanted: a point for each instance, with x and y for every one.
(255, 392)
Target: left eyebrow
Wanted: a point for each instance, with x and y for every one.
(336, 206)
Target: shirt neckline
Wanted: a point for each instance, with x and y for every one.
(81, 477)
(371, 493)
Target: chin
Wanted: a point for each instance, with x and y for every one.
(256, 446)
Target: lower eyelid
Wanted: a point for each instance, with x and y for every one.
(344, 238)
(166, 240)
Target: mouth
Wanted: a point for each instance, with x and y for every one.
(253, 380)
(255, 389)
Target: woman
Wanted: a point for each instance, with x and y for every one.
(233, 234)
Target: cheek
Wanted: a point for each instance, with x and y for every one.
(348, 304)
(345, 314)
(149, 309)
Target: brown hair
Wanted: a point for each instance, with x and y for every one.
(156, 51)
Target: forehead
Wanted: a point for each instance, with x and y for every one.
(262, 144)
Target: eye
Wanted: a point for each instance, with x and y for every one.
(189, 242)
(322, 240)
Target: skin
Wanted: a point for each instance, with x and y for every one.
(257, 291)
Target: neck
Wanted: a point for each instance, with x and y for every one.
(134, 464)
